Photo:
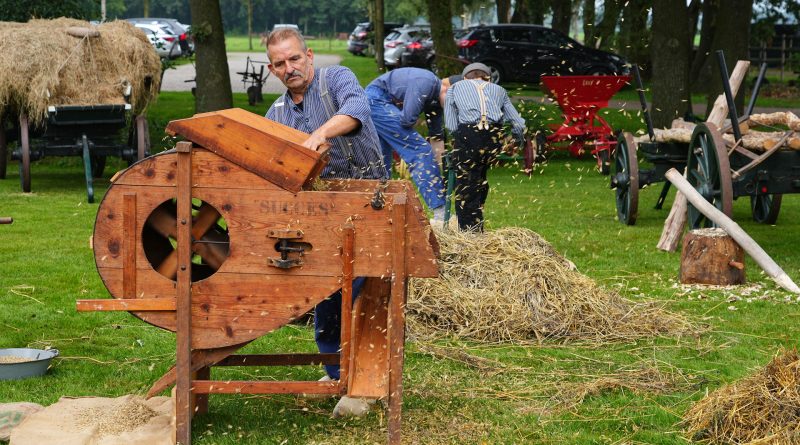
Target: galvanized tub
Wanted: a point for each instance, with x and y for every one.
(37, 364)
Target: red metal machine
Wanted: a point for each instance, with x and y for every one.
(580, 98)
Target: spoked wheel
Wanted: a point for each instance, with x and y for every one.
(98, 165)
(142, 138)
(25, 154)
(529, 154)
(709, 173)
(210, 241)
(765, 208)
(625, 180)
(603, 161)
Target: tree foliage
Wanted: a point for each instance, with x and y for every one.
(22, 11)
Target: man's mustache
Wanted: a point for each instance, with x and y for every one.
(295, 73)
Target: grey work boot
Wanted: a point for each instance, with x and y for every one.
(352, 407)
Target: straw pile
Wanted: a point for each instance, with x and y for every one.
(42, 65)
(511, 285)
(759, 409)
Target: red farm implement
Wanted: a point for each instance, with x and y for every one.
(580, 98)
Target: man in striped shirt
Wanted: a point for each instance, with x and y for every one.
(474, 112)
(329, 104)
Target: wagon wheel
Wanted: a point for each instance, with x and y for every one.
(709, 173)
(25, 158)
(529, 155)
(3, 148)
(98, 165)
(142, 138)
(625, 180)
(210, 241)
(765, 208)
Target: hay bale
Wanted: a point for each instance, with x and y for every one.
(511, 285)
(761, 408)
(44, 65)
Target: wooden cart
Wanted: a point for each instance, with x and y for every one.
(256, 248)
(90, 131)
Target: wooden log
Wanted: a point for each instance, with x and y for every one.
(748, 244)
(81, 32)
(711, 256)
(676, 221)
(780, 118)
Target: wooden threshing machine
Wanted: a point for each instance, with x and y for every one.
(222, 240)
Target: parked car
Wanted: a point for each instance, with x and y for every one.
(361, 38)
(523, 53)
(163, 40)
(180, 30)
(396, 41)
(422, 54)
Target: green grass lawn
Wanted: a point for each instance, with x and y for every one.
(46, 264)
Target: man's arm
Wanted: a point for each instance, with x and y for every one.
(338, 125)
(512, 115)
(451, 112)
(413, 104)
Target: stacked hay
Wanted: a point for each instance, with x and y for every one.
(511, 285)
(762, 408)
(42, 65)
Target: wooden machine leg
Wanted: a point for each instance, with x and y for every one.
(200, 401)
(346, 354)
(183, 313)
(397, 302)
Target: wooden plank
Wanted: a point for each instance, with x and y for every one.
(132, 304)
(200, 401)
(346, 331)
(396, 327)
(200, 359)
(183, 316)
(129, 245)
(272, 387)
(296, 359)
(370, 375)
(266, 148)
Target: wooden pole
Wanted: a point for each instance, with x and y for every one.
(740, 236)
(346, 354)
(183, 312)
(676, 221)
(396, 323)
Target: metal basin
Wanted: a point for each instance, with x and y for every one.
(38, 364)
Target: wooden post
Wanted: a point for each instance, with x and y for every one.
(676, 220)
(345, 357)
(129, 245)
(396, 324)
(748, 244)
(183, 313)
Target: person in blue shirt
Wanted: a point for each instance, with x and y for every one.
(475, 110)
(343, 120)
(397, 99)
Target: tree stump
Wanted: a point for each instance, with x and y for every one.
(711, 256)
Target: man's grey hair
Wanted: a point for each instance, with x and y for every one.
(281, 34)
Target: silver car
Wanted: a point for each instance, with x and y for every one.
(164, 41)
(395, 43)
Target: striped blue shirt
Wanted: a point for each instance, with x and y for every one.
(348, 99)
(463, 106)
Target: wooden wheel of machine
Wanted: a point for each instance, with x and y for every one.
(3, 147)
(25, 154)
(709, 172)
(766, 207)
(625, 180)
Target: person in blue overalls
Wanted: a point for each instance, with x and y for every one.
(331, 106)
(397, 99)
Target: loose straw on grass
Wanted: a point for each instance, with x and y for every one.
(759, 409)
(511, 285)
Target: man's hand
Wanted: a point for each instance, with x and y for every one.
(315, 140)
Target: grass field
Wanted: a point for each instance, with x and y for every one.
(46, 264)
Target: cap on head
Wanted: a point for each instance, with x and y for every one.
(476, 67)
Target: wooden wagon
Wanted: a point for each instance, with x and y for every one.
(255, 248)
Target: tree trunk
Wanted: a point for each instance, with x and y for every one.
(145, 8)
(670, 53)
(538, 9)
(605, 29)
(634, 36)
(213, 81)
(700, 72)
(588, 23)
(440, 16)
(562, 15)
(520, 12)
(732, 35)
(711, 256)
(503, 8)
(379, 35)
(250, 23)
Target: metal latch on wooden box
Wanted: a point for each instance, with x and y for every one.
(288, 244)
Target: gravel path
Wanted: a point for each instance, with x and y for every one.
(175, 79)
